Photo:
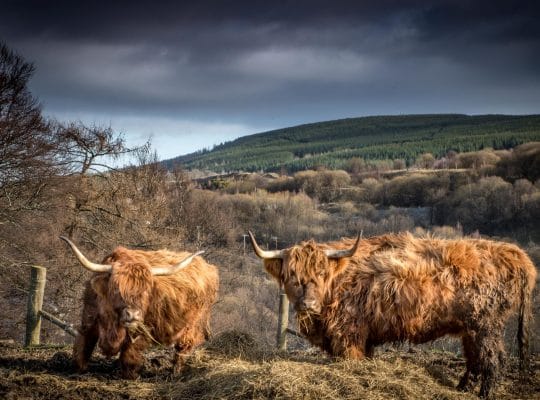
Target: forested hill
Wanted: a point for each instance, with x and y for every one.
(333, 143)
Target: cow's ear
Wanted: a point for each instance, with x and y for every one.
(273, 266)
(339, 265)
(99, 284)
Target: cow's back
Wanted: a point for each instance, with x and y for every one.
(183, 300)
(422, 288)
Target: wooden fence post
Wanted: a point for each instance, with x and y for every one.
(283, 321)
(35, 302)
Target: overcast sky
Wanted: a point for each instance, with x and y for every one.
(194, 74)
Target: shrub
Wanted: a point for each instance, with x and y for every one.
(326, 186)
(486, 204)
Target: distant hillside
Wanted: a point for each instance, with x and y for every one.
(333, 143)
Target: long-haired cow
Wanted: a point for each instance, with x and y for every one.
(137, 298)
(351, 296)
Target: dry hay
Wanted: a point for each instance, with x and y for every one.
(36, 374)
(233, 365)
(33, 386)
(237, 344)
(319, 378)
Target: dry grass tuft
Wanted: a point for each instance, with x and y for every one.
(236, 344)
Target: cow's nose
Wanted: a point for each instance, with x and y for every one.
(312, 305)
(130, 315)
(308, 305)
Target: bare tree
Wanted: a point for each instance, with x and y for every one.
(86, 149)
(25, 138)
(84, 153)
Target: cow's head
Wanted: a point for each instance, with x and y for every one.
(123, 285)
(305, 271)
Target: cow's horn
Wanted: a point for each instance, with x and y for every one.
(84, 261)
(171, 269)
(343, 253)
(265, 254)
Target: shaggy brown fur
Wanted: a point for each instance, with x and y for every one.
(402, 288)
(174, 310)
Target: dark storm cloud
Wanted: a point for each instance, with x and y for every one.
(282, 62)
(129, 20)
(80, 19)
(499, 21)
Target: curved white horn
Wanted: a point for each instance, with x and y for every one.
(343, 253)
(171, 269)
(84, 261)
(265, 254)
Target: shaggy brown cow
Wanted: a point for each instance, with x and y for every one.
(351, 296)
(141, 297)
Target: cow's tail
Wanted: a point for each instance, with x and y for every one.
(528, 280)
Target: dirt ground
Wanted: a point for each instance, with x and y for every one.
(234, 367)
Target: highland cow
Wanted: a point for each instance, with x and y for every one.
(352, 296)
(137, 298)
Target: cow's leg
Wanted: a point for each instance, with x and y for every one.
(490, 354)
(84, 345)
(354, 350)
(181, 354)
(186, 341)
(356, 343)
(354, 353)
(88, 334)
(370, 349)
(471, 351)
(131, 359)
